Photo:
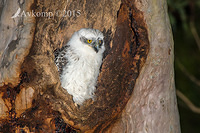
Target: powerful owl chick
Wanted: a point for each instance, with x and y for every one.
(79, 62)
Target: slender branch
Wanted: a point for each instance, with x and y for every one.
(190, 76)
(195, 33)
(188, 102)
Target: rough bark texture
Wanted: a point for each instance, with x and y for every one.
(153, 106)
(32, 99)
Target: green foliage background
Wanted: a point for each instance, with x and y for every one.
(185, 20)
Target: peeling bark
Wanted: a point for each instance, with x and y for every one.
(31, 97)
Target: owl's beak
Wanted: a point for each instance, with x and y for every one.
(96, 47)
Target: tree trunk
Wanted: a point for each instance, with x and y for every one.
(135, 89)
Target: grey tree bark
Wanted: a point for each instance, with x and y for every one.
(136, 91)
(153, 106)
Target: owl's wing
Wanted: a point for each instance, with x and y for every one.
(60, 59)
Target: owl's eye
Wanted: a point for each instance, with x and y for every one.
(100, 41)
(89, 41)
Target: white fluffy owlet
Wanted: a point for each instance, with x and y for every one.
(79, 62)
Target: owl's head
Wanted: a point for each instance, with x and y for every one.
(91, 38)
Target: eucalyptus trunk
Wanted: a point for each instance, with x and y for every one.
(135, 89)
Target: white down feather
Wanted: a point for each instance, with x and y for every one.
(80, 75)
